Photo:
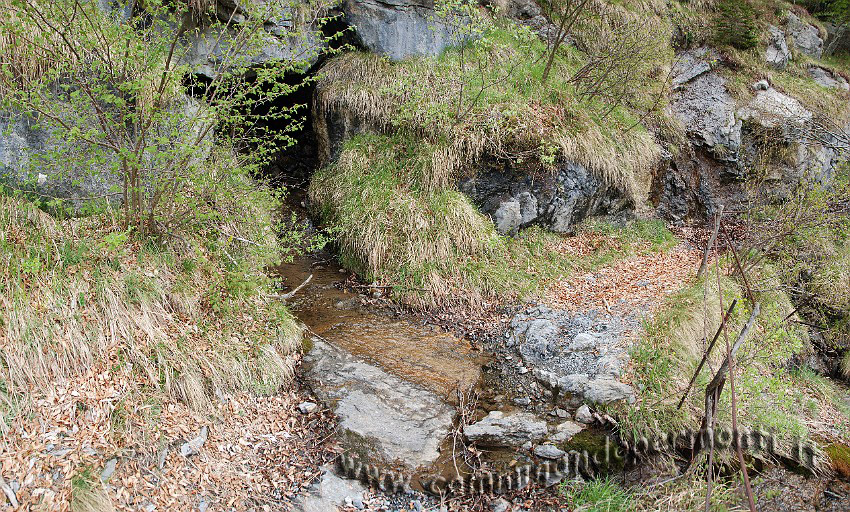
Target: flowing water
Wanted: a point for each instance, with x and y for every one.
(416, 352)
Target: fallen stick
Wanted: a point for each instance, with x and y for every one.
(291, 294)
(10, 494)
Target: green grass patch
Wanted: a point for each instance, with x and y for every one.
(603, 495)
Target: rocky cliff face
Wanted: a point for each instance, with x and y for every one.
(399, 28)
(767, 134)
(22, 142)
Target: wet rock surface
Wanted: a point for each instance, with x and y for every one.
(330, 493)
(580, 357)
(565, 431)
(379, 413)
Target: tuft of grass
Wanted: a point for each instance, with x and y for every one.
(435, 247)
(664, 360)
(87, 493)
(602, 495)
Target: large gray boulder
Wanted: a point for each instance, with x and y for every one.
(777, 53)
(702, 103)
(380, 414)
(400, 28)
(579, 356)
(38, 158)
(806, 37)
(556, 201)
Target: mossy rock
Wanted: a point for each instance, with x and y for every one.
(602, 449)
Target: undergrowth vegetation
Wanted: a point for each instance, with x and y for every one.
(188, 311)
(516, 116)
(794, 259)
(435, 247)
(391, 199)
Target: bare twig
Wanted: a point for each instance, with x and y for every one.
(707, 352)
(289, 295)
(711, 242)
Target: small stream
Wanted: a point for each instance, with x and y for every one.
(414, 351)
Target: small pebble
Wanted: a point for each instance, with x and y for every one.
(548, 451)
(307, 407)
(583, 415)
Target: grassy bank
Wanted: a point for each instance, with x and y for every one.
(186, 314)
(391, 197)
(435, 247)
(504, 110)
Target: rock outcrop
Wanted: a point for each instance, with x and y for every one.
(207, 49)
(806, 37)
(556, 201)
(37, 158)
(400, 28)
(728, 137)
(777, 53)
(829, 79)
(704, 106)
(24, 144)
(787, 124)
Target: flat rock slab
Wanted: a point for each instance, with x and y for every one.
(382, 415)
(500, 429)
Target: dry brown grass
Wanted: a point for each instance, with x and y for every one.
(130, 305)
(387, 229)
(389, 97)
(88, 495)
(28, 49)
